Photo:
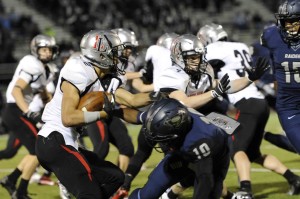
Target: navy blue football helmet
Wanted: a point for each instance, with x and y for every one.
(289, 11)
(166, 121)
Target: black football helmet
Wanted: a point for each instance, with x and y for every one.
(167, 120)
(289, 11)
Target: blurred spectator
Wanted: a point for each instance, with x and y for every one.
(241, 20)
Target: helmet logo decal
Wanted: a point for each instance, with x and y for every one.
(99, 45)
(284, 8)
(176, 121)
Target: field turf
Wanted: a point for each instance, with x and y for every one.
(265, 183)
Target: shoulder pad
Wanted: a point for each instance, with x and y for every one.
(31, 65)
(75, 74)
(270, 37)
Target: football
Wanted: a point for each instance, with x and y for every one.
(93, 101)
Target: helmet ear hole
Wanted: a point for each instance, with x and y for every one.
(101, 57)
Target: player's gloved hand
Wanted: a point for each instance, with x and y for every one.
(157, 95)
(147, 77)
(108, 105)
(261, 66)
(142, 71)
(35, 118)
(112, 82)
(222, 87)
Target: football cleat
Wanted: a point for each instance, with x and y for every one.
(63, 192)
(120, 194)
(15, 195)
(35, 178)
(295, 187)
(45, 180)
(9, 186)
(242, 195)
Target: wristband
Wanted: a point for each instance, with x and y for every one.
(91, 116)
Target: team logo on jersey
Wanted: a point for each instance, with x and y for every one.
(295, 47)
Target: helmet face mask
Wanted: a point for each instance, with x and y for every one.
(43, 41)
(102, 48)
(288, 20)
(129, 40)
(167, 120)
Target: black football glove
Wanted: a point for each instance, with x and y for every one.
(147, 76)
(222, 86)
(156, 96)
(108, 106)
(35, 118)
(261, 66)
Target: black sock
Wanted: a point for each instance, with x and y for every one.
(127, 182)
(245, 185)
(172, 195)
(13, 177)
(289, 176)
(22, 189)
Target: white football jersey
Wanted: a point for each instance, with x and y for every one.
(31, 70)
(173, 77)
(205, 83)
(37, 104)
(80, 73)
(176, 78)
(161, 60)
(236, 58)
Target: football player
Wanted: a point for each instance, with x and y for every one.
(157, 59)
(31, 76)
(233, 58)
(266, 85)
(82, 172)
(113, 130)
(283, 42)
(193, 146)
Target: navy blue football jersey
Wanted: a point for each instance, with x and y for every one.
(203, 140)
(286, 65)
(261, 51)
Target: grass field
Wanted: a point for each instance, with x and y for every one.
(265, 184)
